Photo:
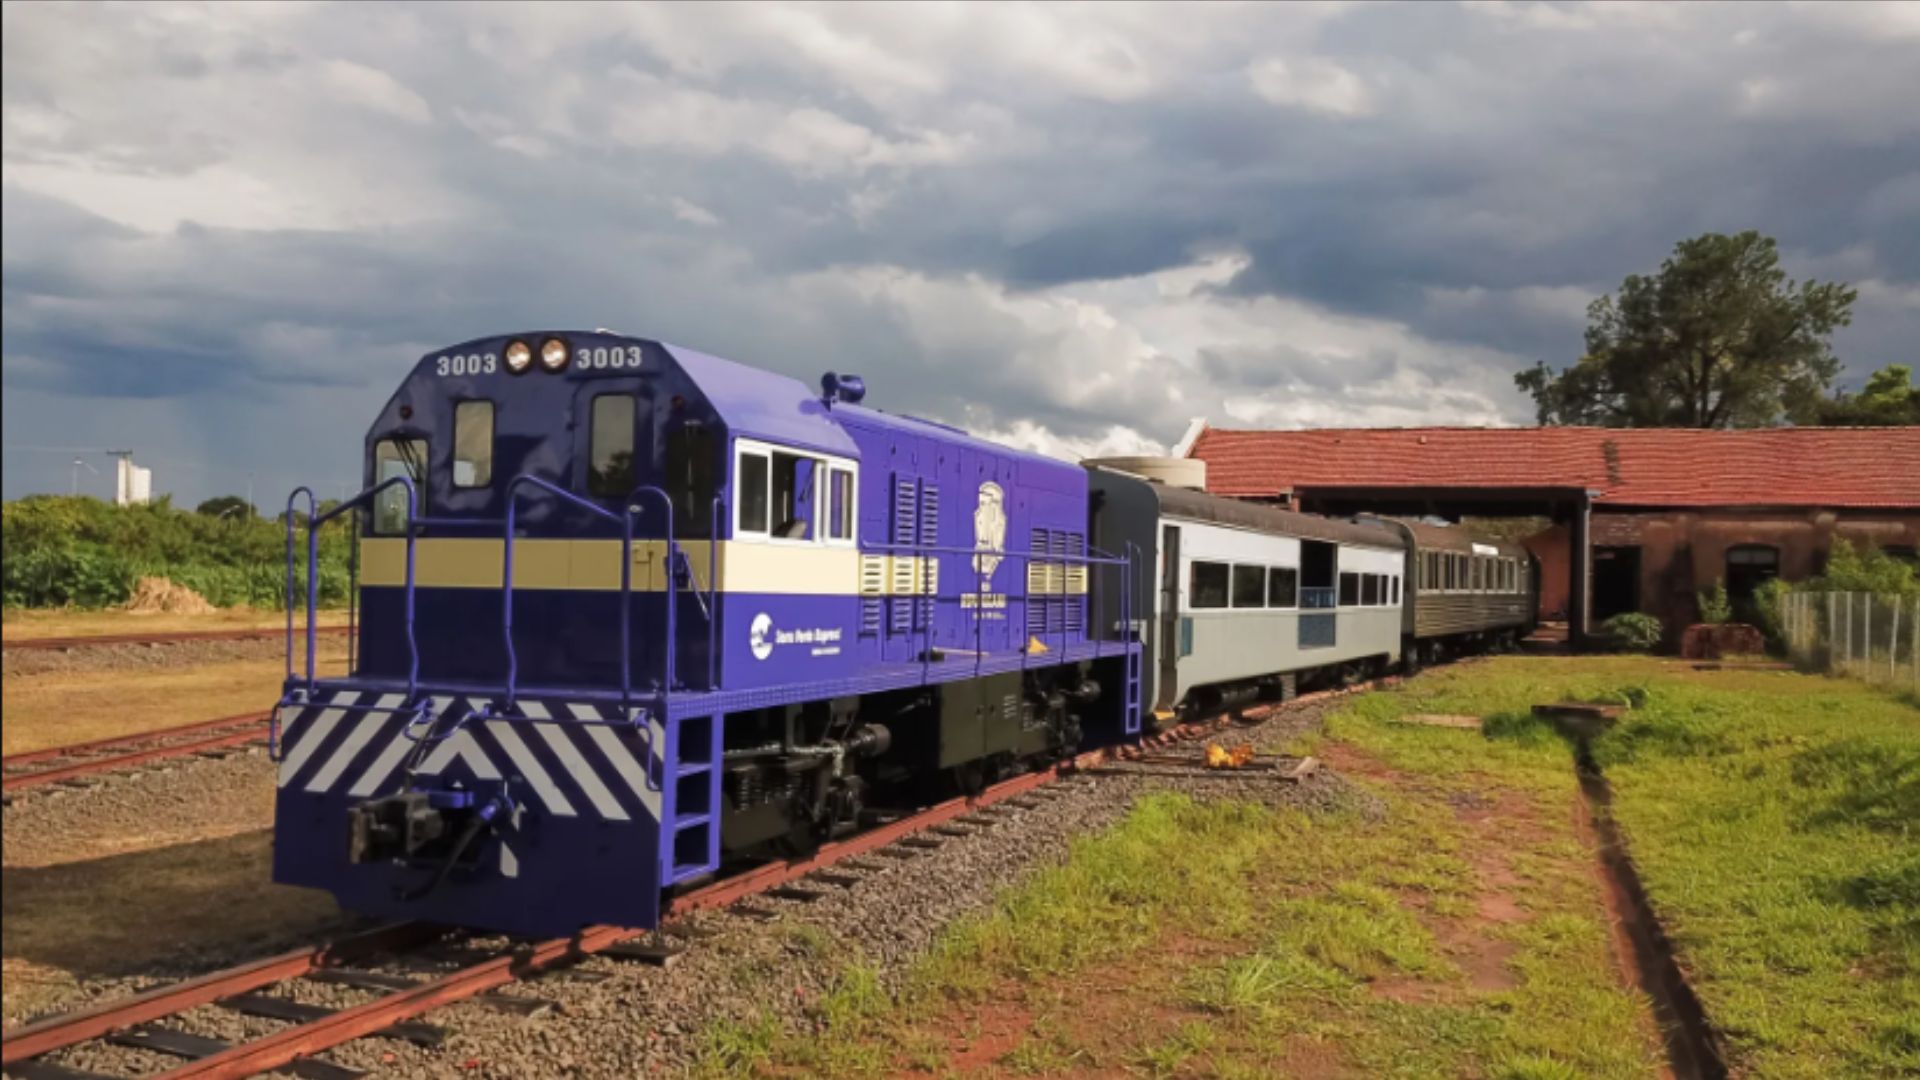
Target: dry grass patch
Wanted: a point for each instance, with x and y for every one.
(59, 708)
(63, 622)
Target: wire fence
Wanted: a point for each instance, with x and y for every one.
(1863, 635)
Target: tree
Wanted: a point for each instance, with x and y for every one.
(1718, 338)
(1888, 399)
(225, 506)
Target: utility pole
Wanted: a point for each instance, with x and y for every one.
(78, 464)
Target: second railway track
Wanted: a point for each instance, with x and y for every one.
(73, 764)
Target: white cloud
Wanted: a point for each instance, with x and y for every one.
(371, 88)
(1311, 83)
(693, 213)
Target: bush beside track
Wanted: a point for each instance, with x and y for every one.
(68, 551)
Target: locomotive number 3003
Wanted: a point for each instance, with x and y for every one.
(627, 356)
(470, 364)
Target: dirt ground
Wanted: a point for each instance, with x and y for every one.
(71, 623)
(149, 874)
(86, 694)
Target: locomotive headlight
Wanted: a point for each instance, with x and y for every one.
(553, 354)
(519, 356)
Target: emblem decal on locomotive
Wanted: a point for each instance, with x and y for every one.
(989, 532)
(762, 637)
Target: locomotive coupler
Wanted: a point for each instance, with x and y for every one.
(419, 824)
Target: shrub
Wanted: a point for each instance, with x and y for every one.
(1634, 631)
(67, 550)
(1714, 606)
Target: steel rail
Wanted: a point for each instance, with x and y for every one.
(174, 638)
(255, 732)
(54, 1033)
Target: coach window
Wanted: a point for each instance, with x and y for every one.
(1396, 590)
(1207, 585)
(1349, 590)
(610, 445)
(840, 506)
(398, 457)
(1249, 586)
(1369, 590)
(1283, 587)
(472, 444)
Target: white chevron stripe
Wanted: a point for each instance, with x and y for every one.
(627, 766)
(656, 735)
(350, 747)
(383, 765)
(316, 734)
(582, 772)
(530, 767)
(460, 745)
(391, 755)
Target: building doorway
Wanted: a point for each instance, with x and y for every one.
(1616, 582)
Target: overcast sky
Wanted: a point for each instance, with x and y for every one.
(229, 230)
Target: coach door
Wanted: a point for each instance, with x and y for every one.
(1171, 642)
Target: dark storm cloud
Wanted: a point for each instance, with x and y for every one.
(991, 210)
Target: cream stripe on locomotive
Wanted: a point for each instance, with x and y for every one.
(745, 567)
(581, 749)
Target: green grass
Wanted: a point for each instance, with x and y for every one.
(1774, 819)
(1772, 816)
(1223, 934)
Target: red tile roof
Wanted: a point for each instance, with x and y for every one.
(1838, 467)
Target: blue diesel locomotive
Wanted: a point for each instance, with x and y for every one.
(629, 612)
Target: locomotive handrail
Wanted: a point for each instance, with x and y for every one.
(673, 587)
(506, 581)
(314, 523)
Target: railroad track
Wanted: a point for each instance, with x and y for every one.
(149, 638)
(311, 1030)
(66, 764)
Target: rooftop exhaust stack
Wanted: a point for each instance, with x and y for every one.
(847, 388)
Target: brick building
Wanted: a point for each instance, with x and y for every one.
(1644, 517)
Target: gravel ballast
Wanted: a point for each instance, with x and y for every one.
(774, 957)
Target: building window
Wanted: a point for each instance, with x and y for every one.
(472, 444)
(1748, 565)
(610, 445)
(1207, 585)
(1249, 586)
(1283, 587)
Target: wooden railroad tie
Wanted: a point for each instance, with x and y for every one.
(656, 950)
(830, 877)
(793, 891)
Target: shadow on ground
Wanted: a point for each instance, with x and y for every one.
(161, 912)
